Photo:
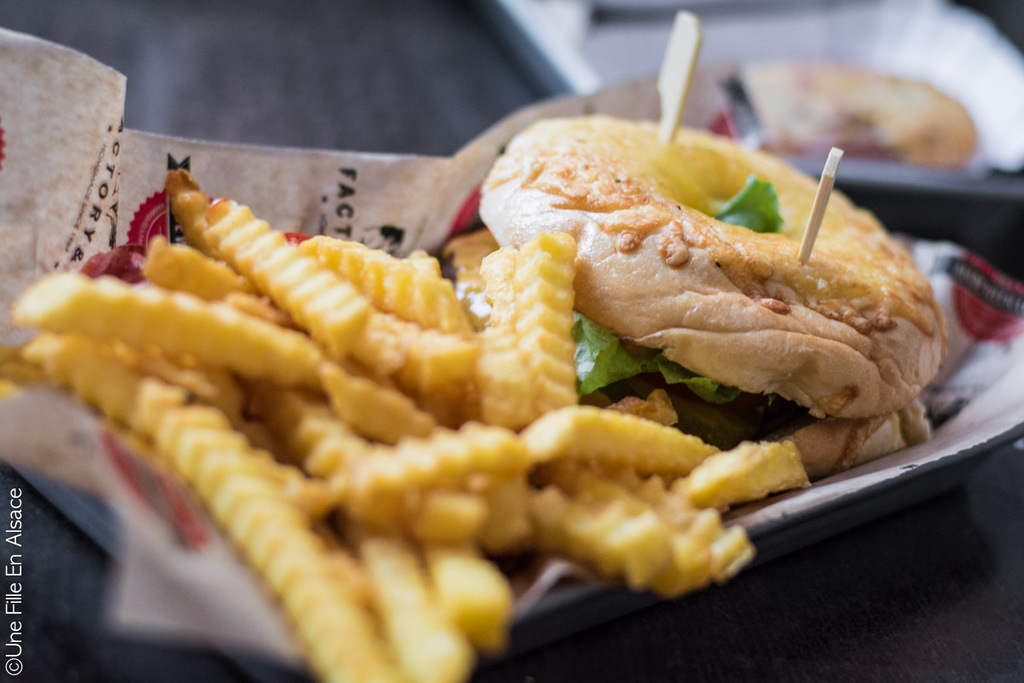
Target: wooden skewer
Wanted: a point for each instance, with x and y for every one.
(677, 72)
(828, 179)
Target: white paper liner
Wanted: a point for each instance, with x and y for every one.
(179, 579)
(51, 93)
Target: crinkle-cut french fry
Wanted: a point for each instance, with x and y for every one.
(526, 366)
(207, 385)
(730, 553)
(103, 377)
(189, 205)
(337, 631)
(436, 360)
(590, 433)
(703, 551)
(671, 504)
(200, 439)
(245, 495)
(746, 473)
(259, 435)
(544, 317)
(16, 370)
(693, 532)
(612, 537)
(226, 480)
(318, 300)
(258, 307)
(371, 409)
(505, 385)
(419, 258)
(186, 269)
(340, 635)
(350, 572)
(452, 405)
(95, 371)
(383, 345)
(213, 386)
(691, 565)
(175, 322)
(449, 517)
(498, 270)
(657, 407)
(445, 459)
(474, 593)
(421, 361)
(674, 507)
(411, 289)
(508, 528)
(330, 308)
(429, 646)
(582, 482)
(506, 390)
(311, 433)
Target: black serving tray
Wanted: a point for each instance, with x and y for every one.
(571, 609)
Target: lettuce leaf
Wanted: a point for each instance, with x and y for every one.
(602, 359)
(755, 207)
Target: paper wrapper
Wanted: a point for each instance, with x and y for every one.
(100, 185)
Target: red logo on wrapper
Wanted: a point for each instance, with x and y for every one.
(158, 492)
(737, 120)
(150, 220)
(724, 125)
(988, 305)
(467, 213)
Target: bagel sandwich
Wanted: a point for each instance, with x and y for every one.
(688, 285)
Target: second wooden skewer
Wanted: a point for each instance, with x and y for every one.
(828, 179)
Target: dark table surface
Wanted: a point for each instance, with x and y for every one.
(932, 592)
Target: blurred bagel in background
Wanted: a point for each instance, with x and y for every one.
(805, 108)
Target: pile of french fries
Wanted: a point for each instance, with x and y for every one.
(374, 452)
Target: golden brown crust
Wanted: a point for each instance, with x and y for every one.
(835, 444)
(805, 108)
(854, 333)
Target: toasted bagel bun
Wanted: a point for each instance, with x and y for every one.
(807, 107)
(854, 333)
(836, 444)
